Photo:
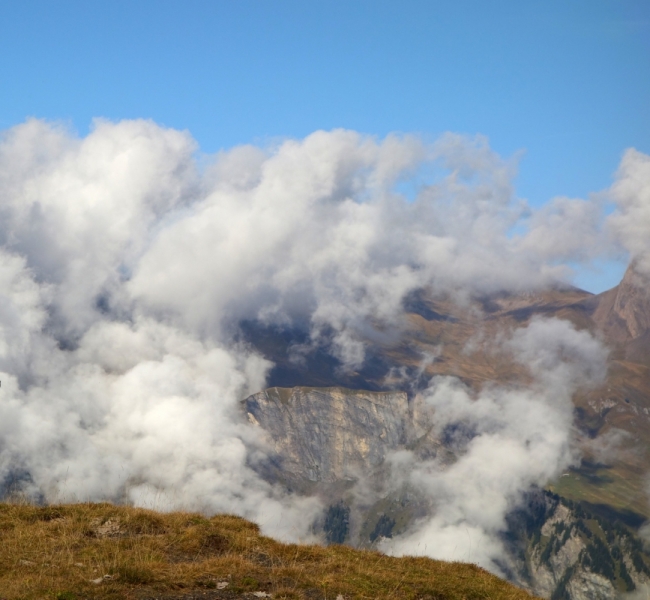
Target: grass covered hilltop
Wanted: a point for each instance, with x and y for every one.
(102, 551)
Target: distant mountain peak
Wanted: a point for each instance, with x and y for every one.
(623, 313)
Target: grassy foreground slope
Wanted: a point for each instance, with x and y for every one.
(102, 551)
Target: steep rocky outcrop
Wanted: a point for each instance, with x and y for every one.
(566, 551)
(328, 436)
(623, 313)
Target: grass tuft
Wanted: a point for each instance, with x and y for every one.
(134, 575)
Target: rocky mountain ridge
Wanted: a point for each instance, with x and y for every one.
(623, 313)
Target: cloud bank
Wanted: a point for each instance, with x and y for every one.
(127, 261)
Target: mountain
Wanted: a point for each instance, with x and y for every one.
(328, 424)
(333, 442)
(623, 313)
(330, 441)
(441, 336)
(621, 406)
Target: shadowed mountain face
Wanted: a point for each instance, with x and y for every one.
(438, 336)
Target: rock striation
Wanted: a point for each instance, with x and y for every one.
(330, 435)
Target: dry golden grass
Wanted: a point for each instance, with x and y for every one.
(56, 552)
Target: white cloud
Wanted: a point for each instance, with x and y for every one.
(508, 440)
(568, 229)
(126, 263)
(630, 223)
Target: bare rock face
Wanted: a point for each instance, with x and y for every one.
(572, 553)
(334, 442)
(623, 313)
(332, 434)
(586, 585)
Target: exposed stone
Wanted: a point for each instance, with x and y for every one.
(623, 312)
(333, 434)
(109, 528)
(567, 556)
(328, 438)
(585, 585)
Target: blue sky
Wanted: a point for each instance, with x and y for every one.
(568, 82)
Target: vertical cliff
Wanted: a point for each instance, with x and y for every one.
(623, 313)
(329, 435)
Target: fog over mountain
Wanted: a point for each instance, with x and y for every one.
(520, 438)
(129, 261)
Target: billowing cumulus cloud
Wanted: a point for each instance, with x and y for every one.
(126, 264)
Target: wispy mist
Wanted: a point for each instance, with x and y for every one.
(508, 441)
